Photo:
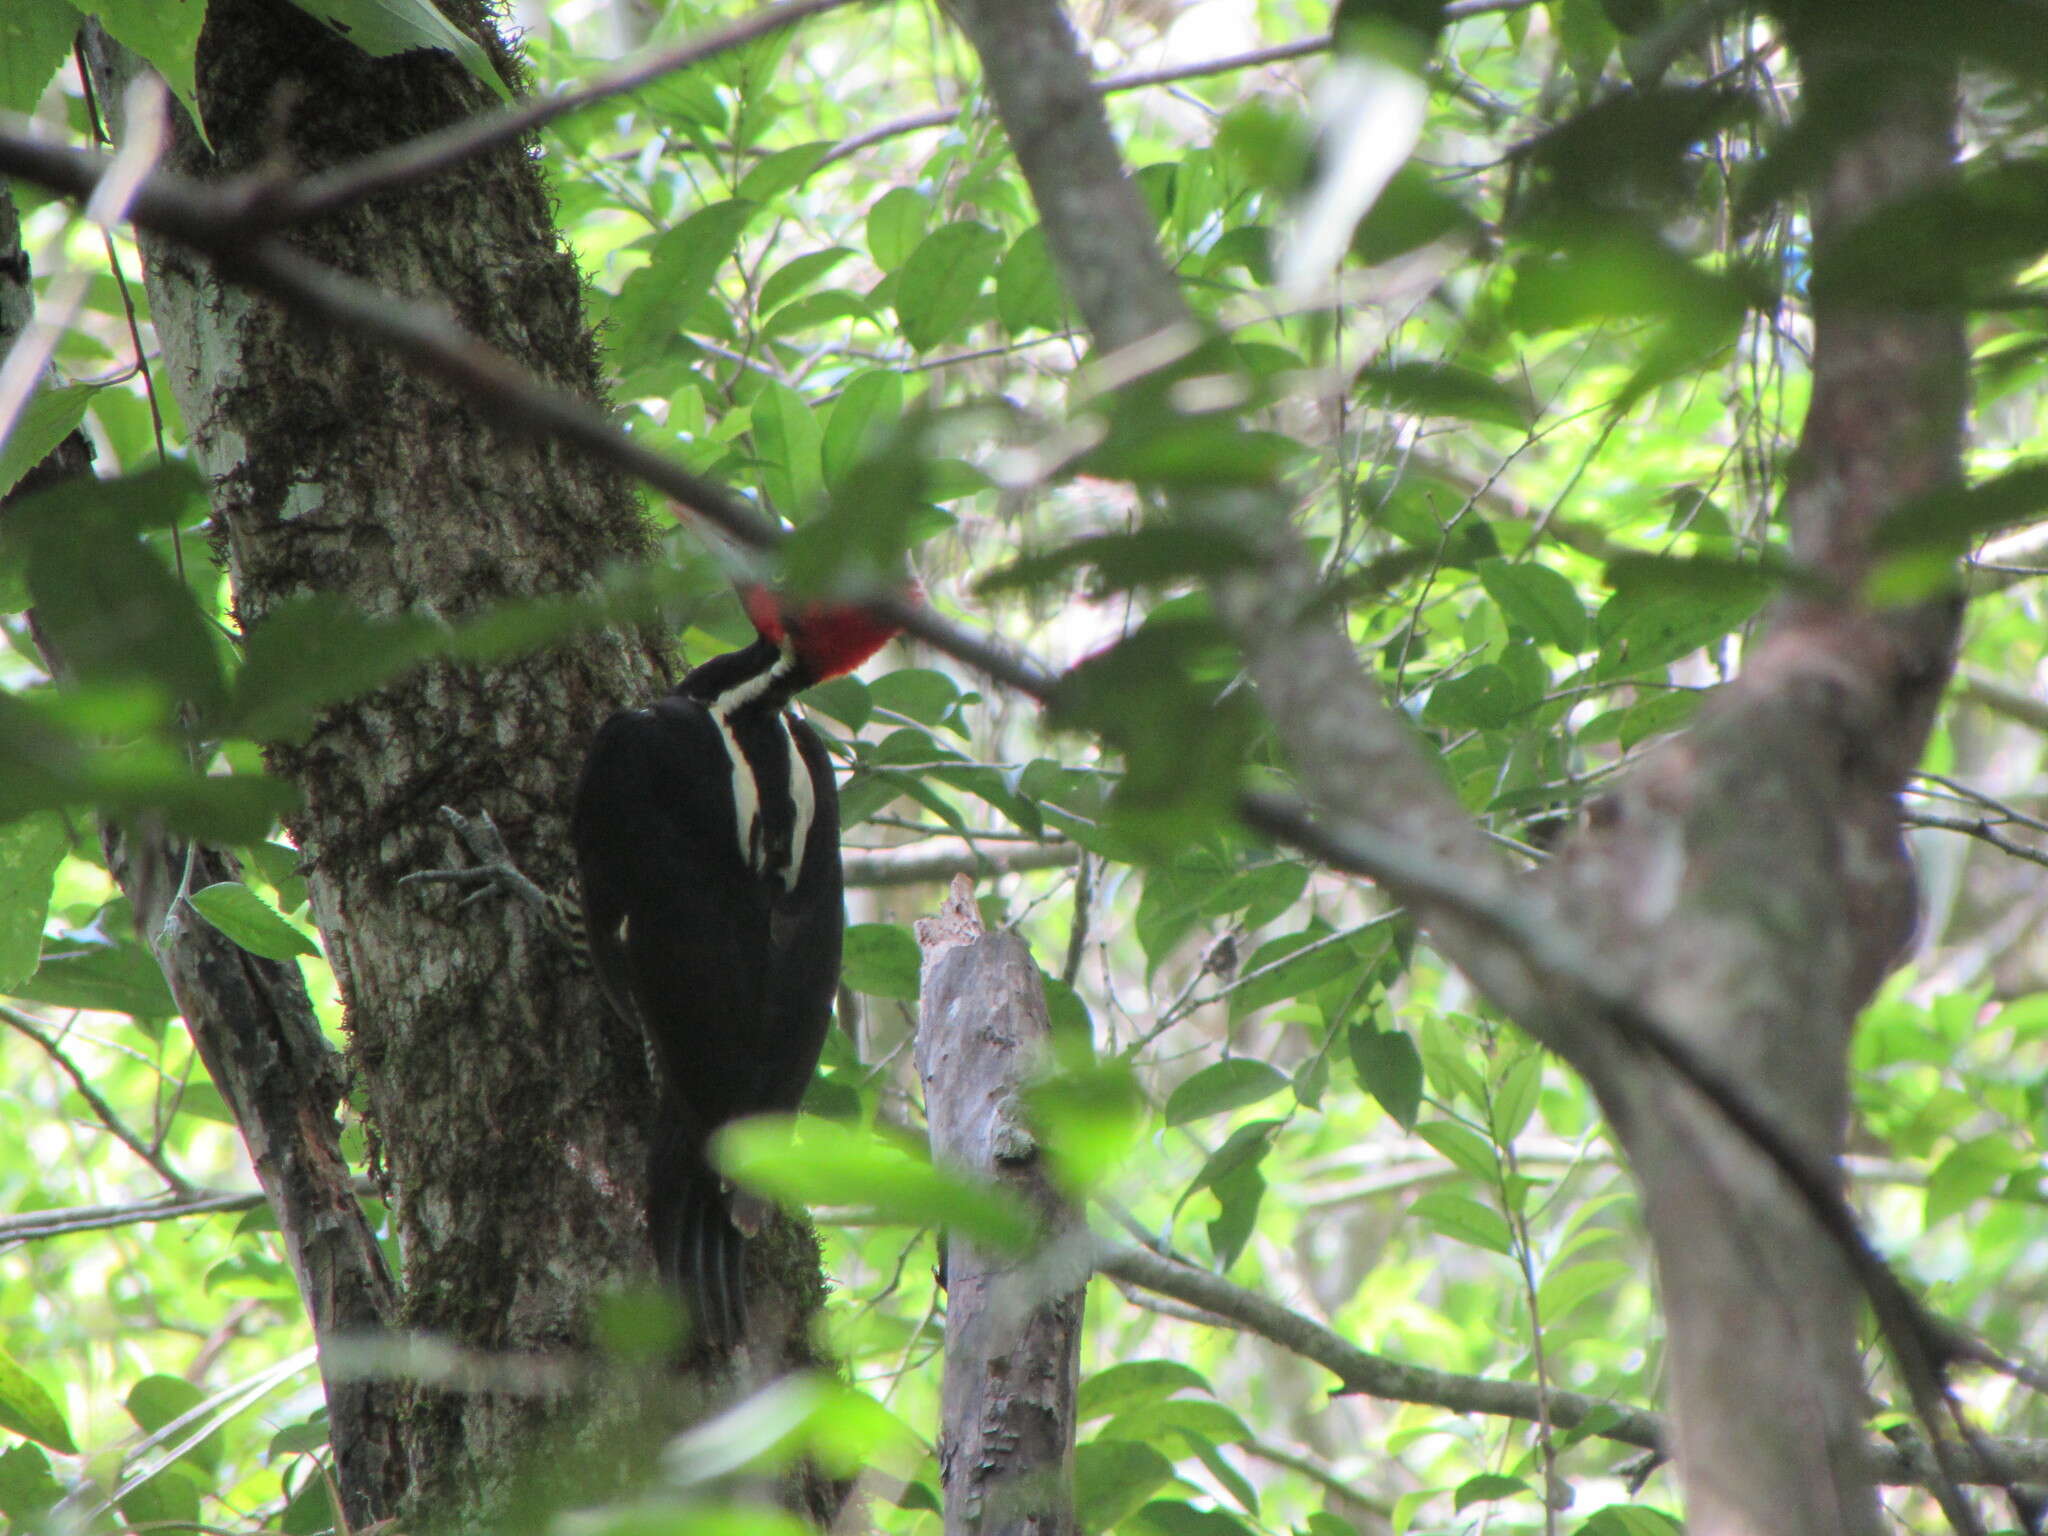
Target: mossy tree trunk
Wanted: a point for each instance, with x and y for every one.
(507, 1108)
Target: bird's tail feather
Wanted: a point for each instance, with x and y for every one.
(697, 1248)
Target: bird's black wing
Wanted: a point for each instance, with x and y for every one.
(679, 934)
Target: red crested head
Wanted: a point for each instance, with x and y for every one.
(829, 639)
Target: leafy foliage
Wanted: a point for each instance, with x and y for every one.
(1539, 480)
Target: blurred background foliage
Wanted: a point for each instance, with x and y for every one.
(1537, 430)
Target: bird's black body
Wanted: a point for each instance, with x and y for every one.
(706, 829)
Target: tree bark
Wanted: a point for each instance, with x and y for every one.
(508, 1107)
(1013, 1324)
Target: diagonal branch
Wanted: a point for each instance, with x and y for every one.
(107, 1115)
(1994, 1462)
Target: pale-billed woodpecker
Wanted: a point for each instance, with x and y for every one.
(706, 832)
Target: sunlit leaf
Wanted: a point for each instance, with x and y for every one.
(30, 851)
(1390, 1069)
(1541, 600)
(1464, 1220)
(30, 1411)
(164, 32)
(51, 415)
(881, 960)
(829, 1164)
(942, 279)
(1113, 1479)
(382, 28)
(1131, 1383)
(250, 921)
(1222, 1086)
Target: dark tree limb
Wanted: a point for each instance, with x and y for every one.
(253, 1026)
(1013, 1324)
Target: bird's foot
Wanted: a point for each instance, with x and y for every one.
(493, 870)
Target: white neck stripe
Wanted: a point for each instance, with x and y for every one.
(752, 689)
(746, 794)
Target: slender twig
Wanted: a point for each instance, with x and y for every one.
(1978, 827)
(102, 1110)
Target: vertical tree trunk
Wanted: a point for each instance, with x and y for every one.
(1013, 1325)
(506, 1104)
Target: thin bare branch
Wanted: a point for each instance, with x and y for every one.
(104, 1112)
(1997, 1462)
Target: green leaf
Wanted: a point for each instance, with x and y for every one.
(1412, 211)
(1088, 1117)
(1663, 609)
(1271, 976)
(787, 438)
(1177, 1517)
(316, 650)
(844, 699)
(1238, 1198)
(941, 281)
(311, 1510)
(1028, 295)
(165, 32)
(31, 1412)
(1484, 699)
(167, 1500)
(1968, 1173)
(776, 173)
(250, 921)
(1162, 697)
(1467, 1221)
(1194, 1421)
(867, 408)
(1944, 522)
(655, 303)
(35, 37)
(155, 1401)
(1630, 1520)
(1487, 1487)
(1223, 1086)
(27, 1488)
(881, 960)
(895, 225)
(815, 309)
(1464, 1148)
(1654, 716)
(1245, 1148)
(1514, 1101)
(1145, 557)
(1113, 1479)
(30, 851)
(107, 978)
(797, 274)
(826, 1163)
(52, 414)
(1133, 1383)
(1439, 389)
(1390, 1069)
(1565, 1289)
(1541, 600)
(111, 608)
(382, 28)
